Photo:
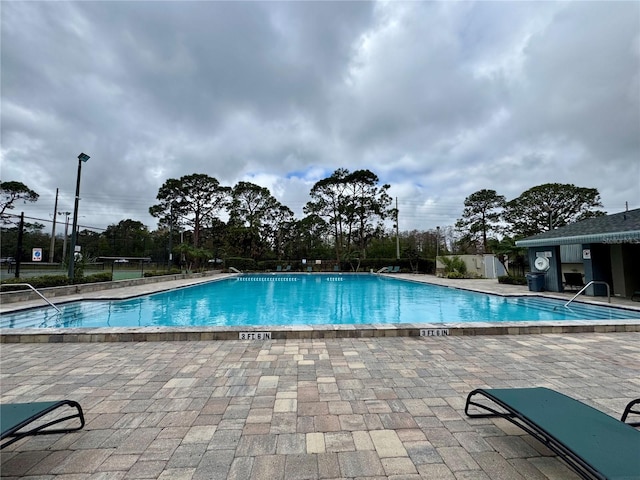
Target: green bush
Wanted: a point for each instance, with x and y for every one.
(454, 265)
(455, 275)
(269, 265)
(515, 280)
(158, 273)
(37, 282)
(47, 281)
(243, 264)
(95, 278)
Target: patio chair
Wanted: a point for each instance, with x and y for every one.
(288, 269)
(14, 417)
(591, 442)
(395, 269)
(573, 281)
(279, 268)
(631, 409)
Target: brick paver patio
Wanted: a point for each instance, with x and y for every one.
(304, 409)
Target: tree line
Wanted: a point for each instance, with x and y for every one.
(346, 219)
(488, 219)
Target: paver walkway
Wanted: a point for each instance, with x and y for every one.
(304, 409)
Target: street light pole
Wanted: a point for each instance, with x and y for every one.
(83, 157)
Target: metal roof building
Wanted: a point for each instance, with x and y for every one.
(610, 252)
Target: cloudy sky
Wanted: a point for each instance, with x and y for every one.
(439, 99)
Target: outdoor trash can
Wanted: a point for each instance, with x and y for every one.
(535, 281)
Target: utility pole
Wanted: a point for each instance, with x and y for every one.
(66, 230)
(19, 248)
(53, 230)
(397, 231)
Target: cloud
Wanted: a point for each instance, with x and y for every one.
(439, 99)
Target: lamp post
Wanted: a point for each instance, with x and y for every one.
(83, 157)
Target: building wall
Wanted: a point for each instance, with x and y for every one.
(553, 276)
(617, 271)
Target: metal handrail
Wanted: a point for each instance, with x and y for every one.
(32, 288)
(592, 282)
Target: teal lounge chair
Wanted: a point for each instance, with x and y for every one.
(395, 269)
(591, 442)
(279, 268)
(631, 408)
(16, 417)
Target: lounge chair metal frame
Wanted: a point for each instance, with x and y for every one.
(577, 463)
(630, 409)
(11, 431)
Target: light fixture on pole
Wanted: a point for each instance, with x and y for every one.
(83, 157)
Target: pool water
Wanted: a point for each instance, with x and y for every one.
(308, 299)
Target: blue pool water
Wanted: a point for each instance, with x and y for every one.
(303, 299)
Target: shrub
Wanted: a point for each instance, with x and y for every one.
(37, 282)
(269, 265)
(243, 264)
(455, 275)
(95, 278)
(509, 280)
(47, 281)
(454, 265)
(158, 273)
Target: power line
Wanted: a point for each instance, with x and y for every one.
(46, 220)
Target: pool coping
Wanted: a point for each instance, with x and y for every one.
(276, 332)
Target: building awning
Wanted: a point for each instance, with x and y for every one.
(611, 238)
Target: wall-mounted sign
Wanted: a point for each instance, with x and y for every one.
(586, 254)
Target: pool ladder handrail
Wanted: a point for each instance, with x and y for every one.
(34, 289)
(592, 282)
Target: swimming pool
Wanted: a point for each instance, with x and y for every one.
(307, 299)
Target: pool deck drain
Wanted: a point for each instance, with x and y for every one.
(275, 332)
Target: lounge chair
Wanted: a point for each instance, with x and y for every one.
(15, 417)
(279, 268)
(309, 269)
(336, 268)
(573, 281)
(591, 442)
(288, 269)
(630, 409)
(395, 269)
